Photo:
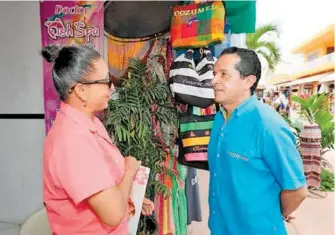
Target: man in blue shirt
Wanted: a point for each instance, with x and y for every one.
(256, 172)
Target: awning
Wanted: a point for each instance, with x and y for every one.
(330, 77)
(284, 84)
(308, 79)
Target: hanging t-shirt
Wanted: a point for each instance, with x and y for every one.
(241, 15)
(238, 40)
(193, 196)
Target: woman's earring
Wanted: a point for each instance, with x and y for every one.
(85, 104)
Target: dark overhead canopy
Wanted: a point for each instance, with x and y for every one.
(136, 19)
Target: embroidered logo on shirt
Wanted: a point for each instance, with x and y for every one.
(235, 155)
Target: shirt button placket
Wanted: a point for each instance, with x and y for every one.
(222, 132)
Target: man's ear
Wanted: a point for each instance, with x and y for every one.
(250, 81)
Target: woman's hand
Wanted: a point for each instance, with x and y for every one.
(132, 165)
(147, 207)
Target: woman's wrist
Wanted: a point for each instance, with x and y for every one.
(130, 173)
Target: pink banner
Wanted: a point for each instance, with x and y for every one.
(68, 23)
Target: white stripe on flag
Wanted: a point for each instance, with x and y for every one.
(184, 72)
(207, 76)
(203, 63)
(191, 90)
(182, 58)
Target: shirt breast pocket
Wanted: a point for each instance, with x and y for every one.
(243, 164)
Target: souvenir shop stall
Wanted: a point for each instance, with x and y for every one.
(175, 48)
(161, 56)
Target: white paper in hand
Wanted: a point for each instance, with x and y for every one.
(136, 198)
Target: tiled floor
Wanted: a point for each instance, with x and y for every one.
(314, 217)
(9, 229)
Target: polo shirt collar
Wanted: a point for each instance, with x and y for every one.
(78, 116)
(242, 108)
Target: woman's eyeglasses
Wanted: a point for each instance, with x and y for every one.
(101, 81)
(107, 81)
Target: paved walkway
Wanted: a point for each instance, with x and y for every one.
(314, 217)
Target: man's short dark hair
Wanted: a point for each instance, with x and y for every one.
(248, 65)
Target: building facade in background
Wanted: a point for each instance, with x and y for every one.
(316, 74)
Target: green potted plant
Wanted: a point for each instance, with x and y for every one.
(315, 109)
(143, 123)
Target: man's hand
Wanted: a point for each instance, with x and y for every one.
(289, 218)
(291, 199)
(147, 207)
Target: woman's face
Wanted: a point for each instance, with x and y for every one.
(98, 95)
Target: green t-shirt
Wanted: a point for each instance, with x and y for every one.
(241, 15)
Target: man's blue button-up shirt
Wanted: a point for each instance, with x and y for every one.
(252, 158)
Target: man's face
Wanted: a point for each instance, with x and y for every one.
(229, 86)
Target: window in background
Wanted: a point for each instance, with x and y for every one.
(312, 56)
(330, 50)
